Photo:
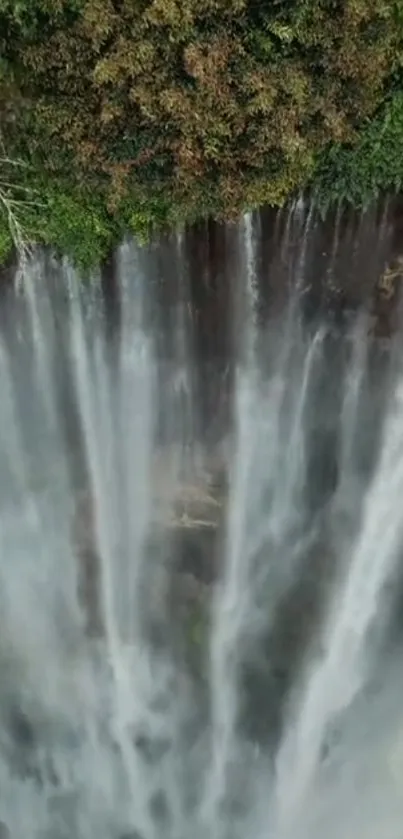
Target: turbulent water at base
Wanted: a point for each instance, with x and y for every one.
(199, 635)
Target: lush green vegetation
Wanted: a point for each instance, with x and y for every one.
(141, 113)
(373, 164)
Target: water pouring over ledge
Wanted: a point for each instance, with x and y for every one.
(200, 607)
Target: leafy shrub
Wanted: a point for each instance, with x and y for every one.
(375, 164)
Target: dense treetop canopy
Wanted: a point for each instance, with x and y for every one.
(138, 112)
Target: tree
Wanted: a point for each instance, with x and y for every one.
(172, 109)
(12, 207)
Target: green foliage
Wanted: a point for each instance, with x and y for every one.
(141, 113)
(374, 164)
(6, 242)
(56, 213)
(75, 225)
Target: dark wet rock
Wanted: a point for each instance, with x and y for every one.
(270, 664)
(8, 271)
(323, 468)
(159, 808)
(22, 729)
(189, 589)
(385, 314)
(88, 564)
(19, 743)
(131, 834)
(152, 749)
(196, 555)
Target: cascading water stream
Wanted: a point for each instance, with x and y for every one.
(251, 281)
(336, 679)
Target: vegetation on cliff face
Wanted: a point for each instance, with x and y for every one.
(372, 165)
(133, 113)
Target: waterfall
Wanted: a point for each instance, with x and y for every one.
(201, 632)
